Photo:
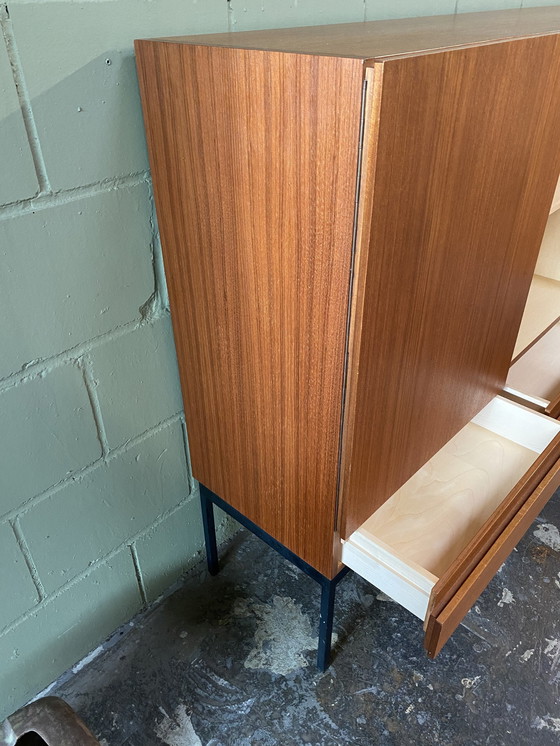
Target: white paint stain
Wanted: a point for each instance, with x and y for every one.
(548, 534)
(526, 655)
(87, 659)
(552, 650)
(470, 683)
(177, 731)
(283, 634)
(507, 597)
(368, 690)
(547, 722)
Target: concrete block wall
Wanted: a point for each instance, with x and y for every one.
(98, 510)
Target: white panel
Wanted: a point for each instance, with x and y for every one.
(385, 578)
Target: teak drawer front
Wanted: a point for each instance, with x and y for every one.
(437, 542)
(444, 618)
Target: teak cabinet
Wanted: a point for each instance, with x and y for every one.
(351, 218)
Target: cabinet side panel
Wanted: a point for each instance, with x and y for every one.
(465, 167)
(254, 159)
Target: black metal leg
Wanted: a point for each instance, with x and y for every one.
(208, 499)
(328, 588)
(209, 531)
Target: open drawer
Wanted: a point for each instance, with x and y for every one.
(534, 378)
(436, 543)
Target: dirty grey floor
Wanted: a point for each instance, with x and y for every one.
(229, 661)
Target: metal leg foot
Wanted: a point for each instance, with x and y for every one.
(328, 588)
(209, 531)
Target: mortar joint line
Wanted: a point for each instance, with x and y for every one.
(65, 196)
(85, 471)
(86, 366)
(49, 598)
(24, 548)
(138, 573)
(24, 101)
(46, 365)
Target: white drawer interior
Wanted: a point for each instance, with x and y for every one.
(406, 545)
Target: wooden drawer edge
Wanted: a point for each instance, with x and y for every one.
(471, 556)
(441, 625)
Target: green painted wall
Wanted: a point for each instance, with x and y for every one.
(98, 510)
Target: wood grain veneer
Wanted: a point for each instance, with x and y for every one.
(466, 160)
(254, 161)
(393, 37)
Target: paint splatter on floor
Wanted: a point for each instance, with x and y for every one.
(507, 597)
(231, 661)
(547, 722)
(178, 730)
(284, 633)
(548, 534)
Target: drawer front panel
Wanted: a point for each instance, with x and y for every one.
(444, 619)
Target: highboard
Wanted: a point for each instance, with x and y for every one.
(365, 312)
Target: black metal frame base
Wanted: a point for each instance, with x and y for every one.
(328, 586)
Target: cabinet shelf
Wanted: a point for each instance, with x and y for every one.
(534, 379)
(556, 200)
(542, 311)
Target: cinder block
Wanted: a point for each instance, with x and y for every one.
(380, 9)
(60, 633)
(168, 550)
(85, 99)
(47, 432)
(72, 272)
(259, 14)
(17, 590)
(137, 381)
(17, 172)
(91, 516)
(473, 6)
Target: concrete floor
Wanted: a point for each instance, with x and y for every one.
(229, 661)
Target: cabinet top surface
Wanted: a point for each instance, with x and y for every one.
(375, 39)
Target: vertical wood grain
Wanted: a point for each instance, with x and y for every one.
(254, 159)
(466, 161)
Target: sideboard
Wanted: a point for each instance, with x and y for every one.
(366, 326)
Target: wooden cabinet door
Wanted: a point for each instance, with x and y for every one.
(461, 158)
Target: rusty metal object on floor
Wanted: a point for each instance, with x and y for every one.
(51, 719)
